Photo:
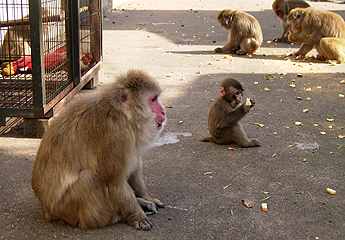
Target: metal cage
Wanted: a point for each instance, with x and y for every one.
(50, 49)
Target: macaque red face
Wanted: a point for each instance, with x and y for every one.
(156, 107)
(238, 96)
(280, 14)
(231, 90)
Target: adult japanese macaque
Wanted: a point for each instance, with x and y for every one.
(17, 42)
(320, 28)
(245, 35)
(88, 168)
(225, 115)
(282, 9)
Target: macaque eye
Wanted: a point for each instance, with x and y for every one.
(154, 99)
(238, 92)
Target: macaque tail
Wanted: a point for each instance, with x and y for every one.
(209, 139)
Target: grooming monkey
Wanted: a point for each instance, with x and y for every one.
(245, 35)
(282, 9)
(17, 41)
(320, 28)
(225, 115)
(88, 169)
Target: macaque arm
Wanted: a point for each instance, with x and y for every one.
(305, 37)
(125, 202)
(284, 36)
(229, 47)
(303, 50)
(233, 117)
(137, 183)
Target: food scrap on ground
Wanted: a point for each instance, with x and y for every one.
(264, 207)
(246, 204)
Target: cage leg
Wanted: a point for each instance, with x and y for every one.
(94, 81)
(2, 121)
(34, 128)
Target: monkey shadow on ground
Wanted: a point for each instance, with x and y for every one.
(259, 56)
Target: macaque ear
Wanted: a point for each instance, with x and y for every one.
(222, 91)
(123, 96)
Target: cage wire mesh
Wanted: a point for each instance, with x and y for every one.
(15, 90)
(16, 85)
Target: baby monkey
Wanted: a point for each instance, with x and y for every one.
(225, 115)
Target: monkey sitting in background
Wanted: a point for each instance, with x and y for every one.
(225, 115)
(88, 168)
(320, 28)
(282, 9)
(17, 40)
(245, 35)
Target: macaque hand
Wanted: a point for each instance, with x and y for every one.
(252, 103)
(246, 108)
(150, 206)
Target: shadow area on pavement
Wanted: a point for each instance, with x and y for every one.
(203, 184)
(258, 56)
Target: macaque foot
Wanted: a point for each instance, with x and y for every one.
(281, 39)
(254, 142)
(333, 61)
(139, 220)
(144, 224)
(240, 52)
(320, 57)
(218, 50)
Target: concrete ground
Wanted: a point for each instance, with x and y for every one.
(203, 184)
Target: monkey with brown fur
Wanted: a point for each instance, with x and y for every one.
(17, 40)
(282, 9)
(320, 28)
(88, 169)
(245, 35)
(225, 115)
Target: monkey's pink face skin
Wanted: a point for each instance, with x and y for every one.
(238, 97)
(157, 108)
(237, 100)
(280, 14)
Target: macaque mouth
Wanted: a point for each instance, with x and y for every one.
(159, 125)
